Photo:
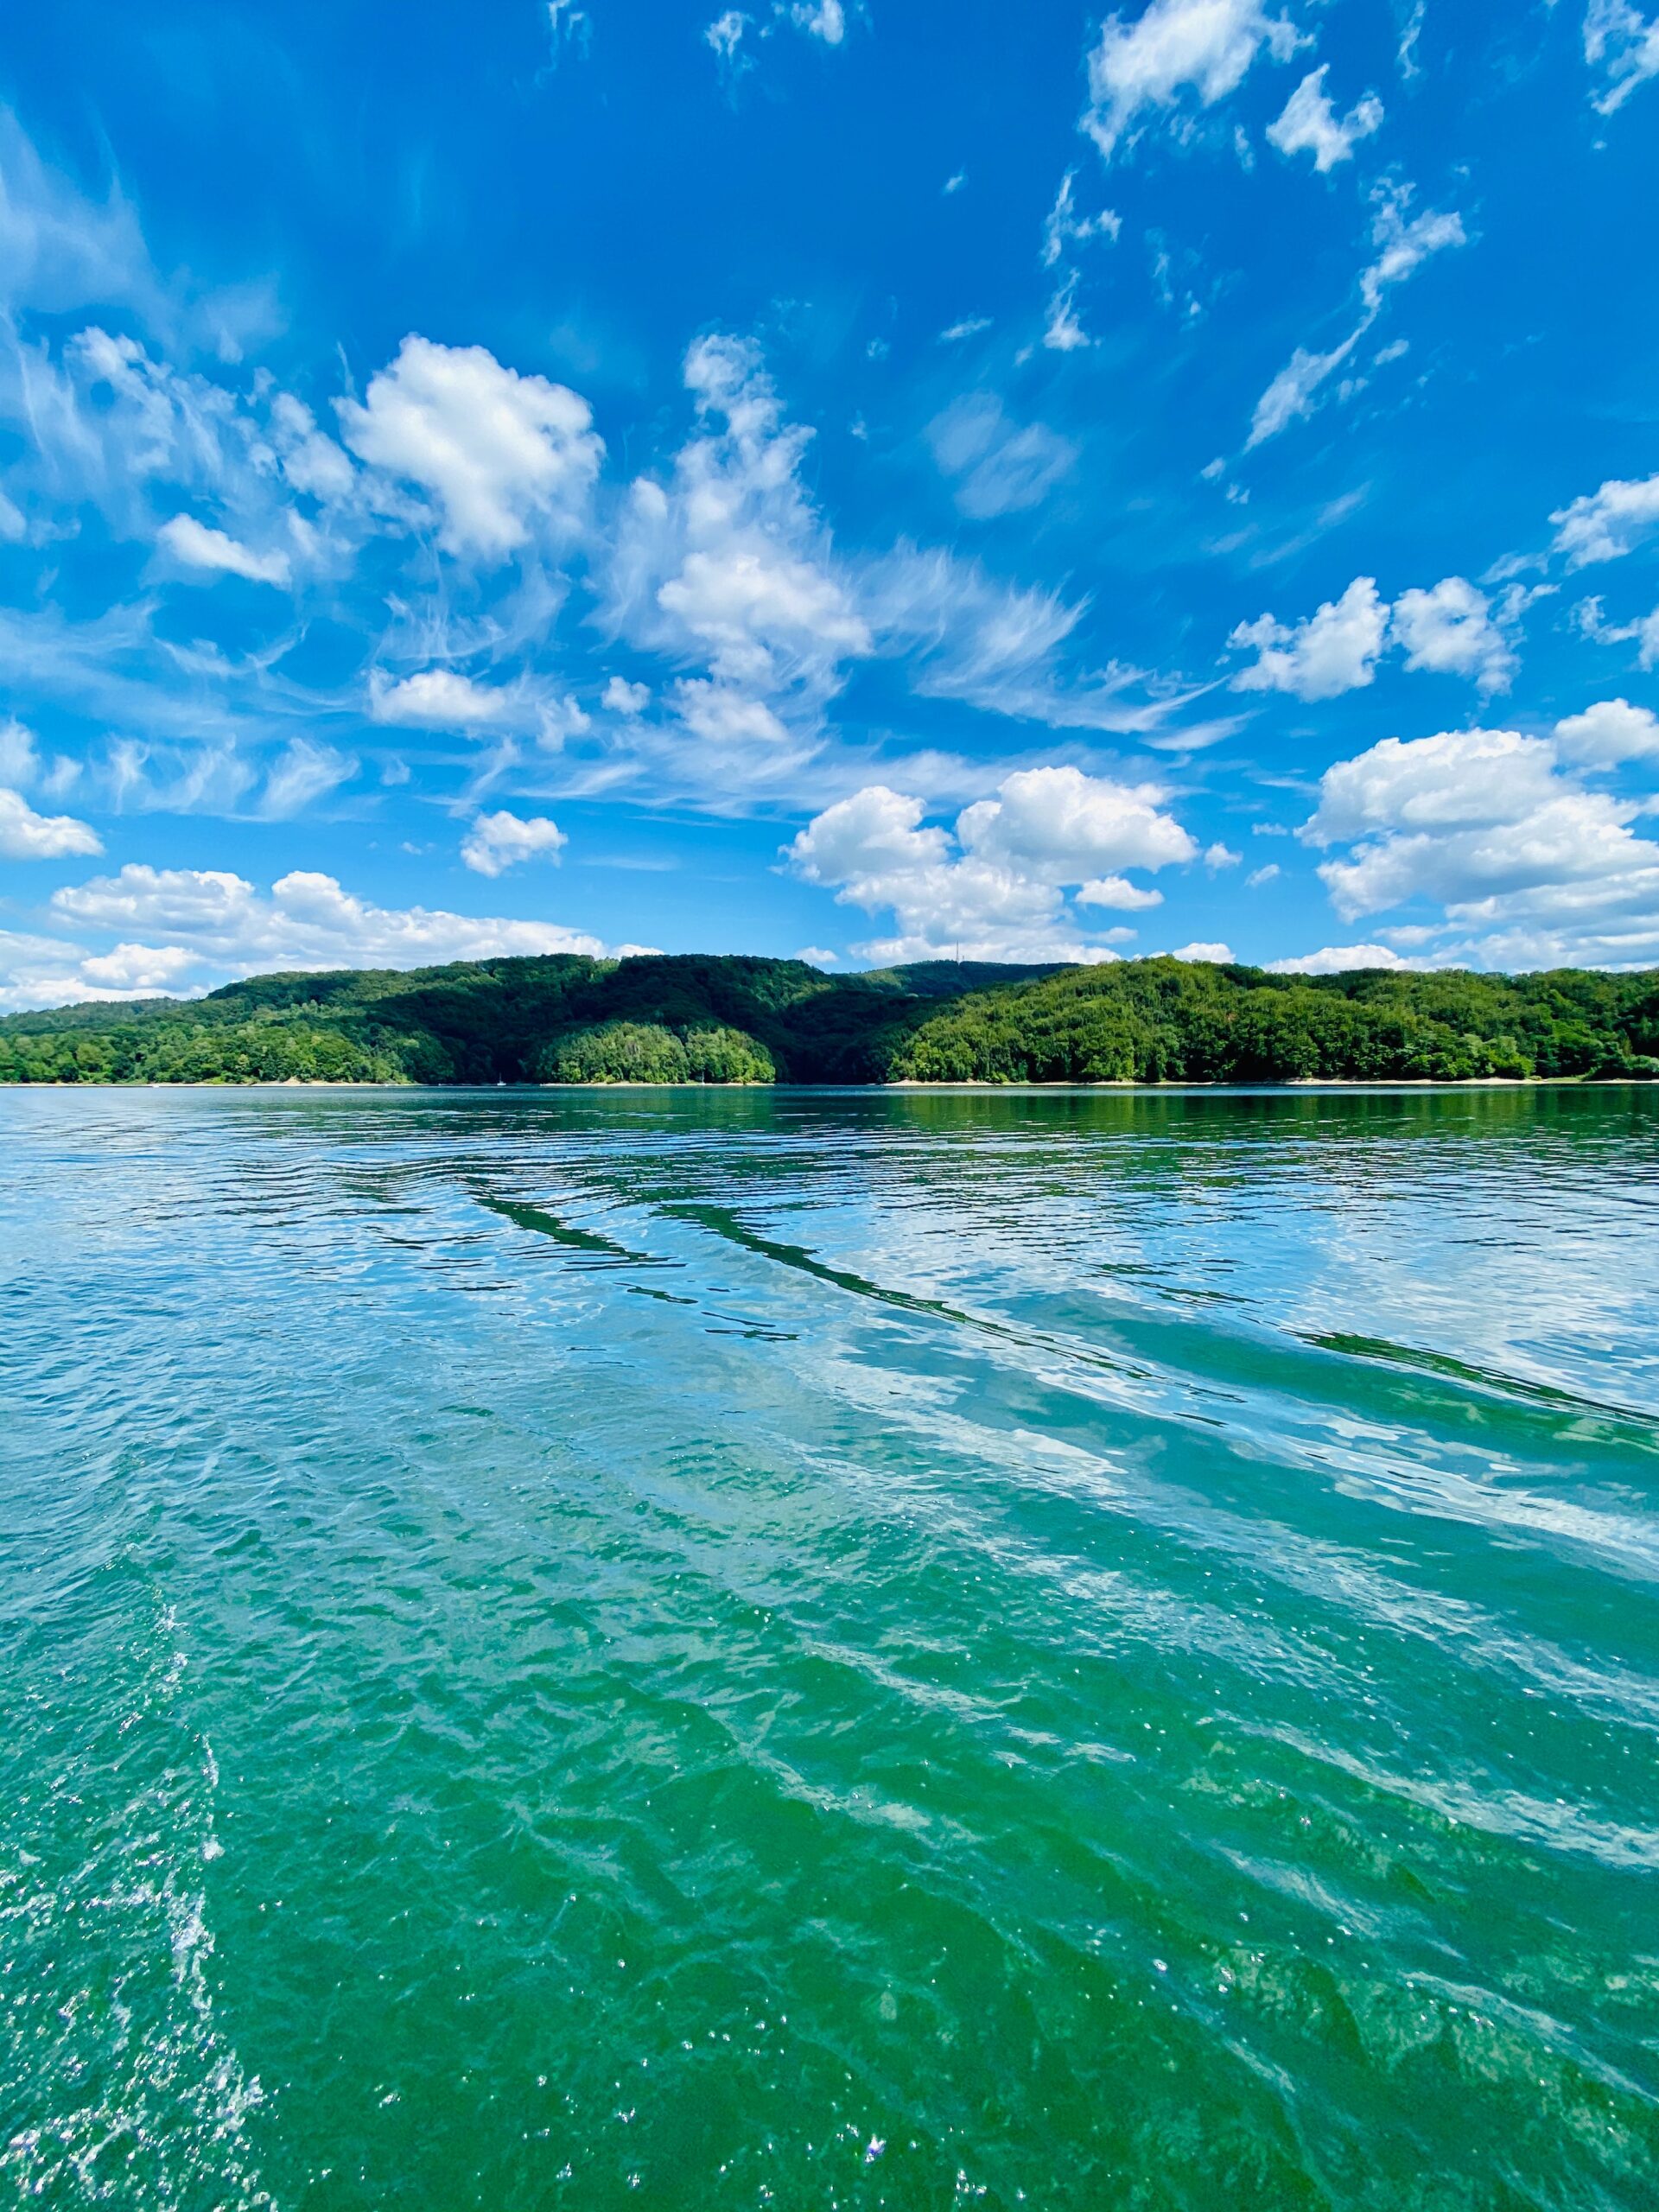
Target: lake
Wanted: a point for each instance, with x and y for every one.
(1073, 1649)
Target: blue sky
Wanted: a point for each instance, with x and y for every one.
(865, 481)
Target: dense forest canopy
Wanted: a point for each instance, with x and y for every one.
(696, 1019)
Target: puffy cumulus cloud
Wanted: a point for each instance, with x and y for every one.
(445, 699)
(195, 545)
(1214, 955)
(128, 970)
(1606, 524)
(722, 714)
(1117, 892)
(38, 971)
(727, 569)
(1310, 123)
(1335, 649)
(1608, 733)
(1459, 780)
(1622, 45)
(993, 888)
(622, 697)
(26, 836)
(1483, 822)
(501, 453)
(438, 698)
(1450, 630)
(306, 921)
(1579, 838)
(1063, 825)
(999, 467)
(1200, 47)
(496, 843)
(1339, 960)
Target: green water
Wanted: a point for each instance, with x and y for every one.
(829, 1651)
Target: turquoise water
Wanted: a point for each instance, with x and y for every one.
(700, 1650)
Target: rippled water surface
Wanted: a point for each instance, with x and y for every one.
(829, 1651)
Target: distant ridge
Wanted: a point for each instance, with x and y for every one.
(735, 1018)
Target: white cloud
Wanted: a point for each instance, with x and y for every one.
(1450, 631)
(23, 767)
(311, 462)
(1063, 826)
(302, 773)
(496, 843)
(500, 452)
(196, 546)
(720, 714)
(438, 698)
(969, 326)
(39, 971)
(819, 955)
(1405, 241)
(1623, 45)
(568, 25)
(306, 921)
(1061, 332)
(727, 570)
(1116, 891)
(1293, 392)
(1204, 47)
(825, 19)
(622, 697)
(1338, 960)
(1310, 125)
(1644, 633)
(994, 887)
(999, 466)
(1481, 822)
(1214, 955)
(1460, 778)
(136, 970)
(1258, 877)
(1334, 650)
(725, 33)
(1606, 524)
(747, 602)
(26, 836)
(1610, 731)
(19, 762)
(995, 646)
(1063, 228)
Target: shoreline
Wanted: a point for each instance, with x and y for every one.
(1294, 1084)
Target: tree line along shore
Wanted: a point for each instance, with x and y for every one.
(732, 1020)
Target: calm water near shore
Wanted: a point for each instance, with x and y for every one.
(807, 1649)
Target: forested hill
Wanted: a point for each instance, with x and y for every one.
(729, 1019)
